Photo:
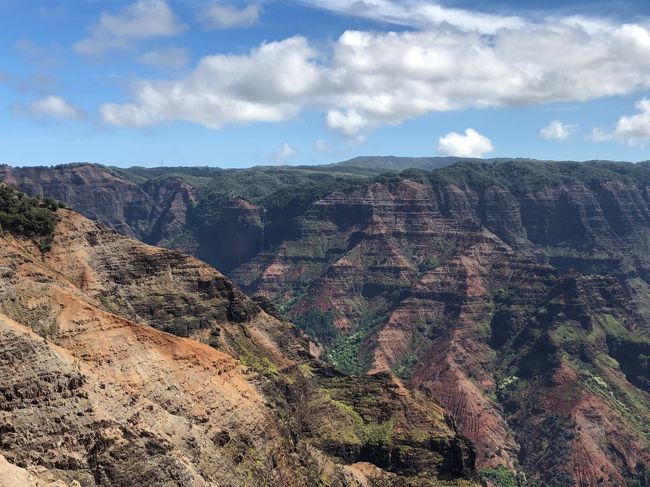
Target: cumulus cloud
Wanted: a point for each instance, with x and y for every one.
(166, 59)
(630, 129)
(367, 79)
(349, 123)
(219, 16)
(141, 20)
(556, 130)
(284, 153)
(269, 84)
(471, 144)
(50, 107)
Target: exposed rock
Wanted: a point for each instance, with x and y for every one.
(90, 394)
(467, 288)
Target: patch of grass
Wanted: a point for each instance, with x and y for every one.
(614, 329)
(260, 364)
(567, 333)
(349, 410)
(377, 434)
(306, 371)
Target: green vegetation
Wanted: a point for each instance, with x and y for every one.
(568, 334)
(377, 434)
(501, 476)
(617, 331)
(520, 176)
(263, 365)
(642, 477)
(405, 364)
(285, 193)
(318, 325)
(506, 386)
(28, 217)
(347, 353)
(429, 263)
(306, 370)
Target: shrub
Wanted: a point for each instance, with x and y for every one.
(34, 218)
(501, 476)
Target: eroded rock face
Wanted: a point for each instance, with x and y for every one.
(93, 393)
(508, 305)
(155, 212)
(517, 296)
(235, 238)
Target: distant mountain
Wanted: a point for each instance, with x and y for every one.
(396, 164)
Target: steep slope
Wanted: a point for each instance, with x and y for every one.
(88, 395)
(197, 210)
(513, 291)
(154, 212)
(216, 214)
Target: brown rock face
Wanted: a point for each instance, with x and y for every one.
(155, 211)
(156, 216)
(90, 395)
(509, 302)
(235, 238)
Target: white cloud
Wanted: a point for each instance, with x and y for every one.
(349, 123)
(50, 107)
(269, 84)
(556, 130)
(171, 58)
(219, 16)
(367, 79)
(472, 144)
(141, 20)
(632, 129)
(284, 153)
(418, 13)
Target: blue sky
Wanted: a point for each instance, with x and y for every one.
(236, 84)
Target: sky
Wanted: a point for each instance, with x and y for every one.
(234, 84)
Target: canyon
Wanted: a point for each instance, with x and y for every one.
(512, 292)
(127, 364)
